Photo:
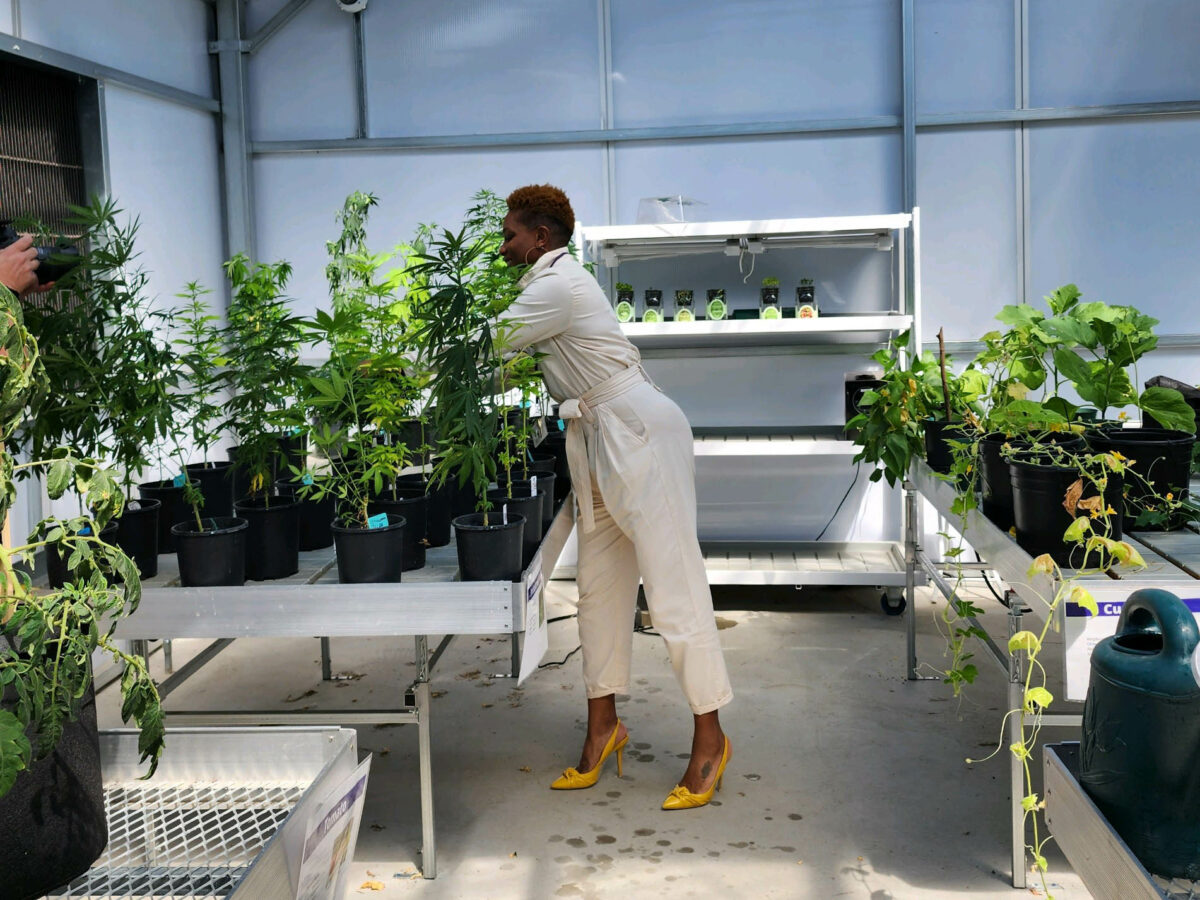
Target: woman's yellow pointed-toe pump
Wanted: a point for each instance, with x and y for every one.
(572, 779)
(681, 798)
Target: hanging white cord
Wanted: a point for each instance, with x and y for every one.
(742, 246)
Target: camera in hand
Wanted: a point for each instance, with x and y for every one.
(54, 261)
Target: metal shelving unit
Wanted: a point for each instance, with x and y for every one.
(782, 559)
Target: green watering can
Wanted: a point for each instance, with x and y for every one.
(1140, 755)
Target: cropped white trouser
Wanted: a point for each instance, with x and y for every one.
(641, 470)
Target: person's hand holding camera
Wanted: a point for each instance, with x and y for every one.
(18, 267)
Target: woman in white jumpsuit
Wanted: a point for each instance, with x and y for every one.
(632, 467)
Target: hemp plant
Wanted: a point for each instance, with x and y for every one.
(47, 637)
(262, 343)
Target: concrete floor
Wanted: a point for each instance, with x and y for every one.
(846, 780)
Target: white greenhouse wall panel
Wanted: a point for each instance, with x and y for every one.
(301, 82)
(164, 169)
(1093, 52)
(298, 196)
(969, 231)
(678, 62)
(774, 177)
(6, 22)
(477, 66)
(965, 55)
(1114, 211)
(164, 41)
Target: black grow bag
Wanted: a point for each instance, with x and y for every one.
(52, 823)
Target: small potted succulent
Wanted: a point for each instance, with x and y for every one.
(624, 305)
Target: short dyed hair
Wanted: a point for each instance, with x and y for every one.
(544, 204)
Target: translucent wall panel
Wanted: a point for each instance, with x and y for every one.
(684, 62)
(966, 188)
(465, 66)
(167, 42)
(775, 177)
(297, 197)
(1114, 210)
(6, 19)
(965, 54)
(1089, 52)
(302, 80)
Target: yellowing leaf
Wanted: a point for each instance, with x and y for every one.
(1029, 802)
(1017, 391)
(1038, 696)
(1090, 503)
(371, 886)
(1128, 555)
(1076, 530)
(1081, 596)
(1042, 565)
(1024, 640)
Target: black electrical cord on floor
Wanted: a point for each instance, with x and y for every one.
(853, 482)
(561, 662)
(988, 581)
(562, 618)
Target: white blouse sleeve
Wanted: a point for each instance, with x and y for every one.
(541, 311)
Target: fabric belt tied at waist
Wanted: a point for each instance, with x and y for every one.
(571, 411)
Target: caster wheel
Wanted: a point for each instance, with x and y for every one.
(893, 606)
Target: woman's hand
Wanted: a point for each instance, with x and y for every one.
(18, 267)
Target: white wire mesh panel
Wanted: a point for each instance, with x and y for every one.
(187, 840)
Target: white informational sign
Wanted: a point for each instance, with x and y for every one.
(537, 639)
(1083, 631)
(332, 835)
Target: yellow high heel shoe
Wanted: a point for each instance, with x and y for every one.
(572, 779)
(681, 798)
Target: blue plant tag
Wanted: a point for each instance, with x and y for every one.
(378, 521)
(179, 480)
(86, 529)
(292, 432)
(307, 479)
(562, 426)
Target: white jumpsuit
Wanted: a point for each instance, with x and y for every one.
(639, 471)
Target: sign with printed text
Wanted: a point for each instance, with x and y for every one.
(537, 639)
(1083, 631)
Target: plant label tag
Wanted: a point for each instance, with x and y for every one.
(378, 521)
(562, 426)
(179, 480)
(504, 513)
(86, 529)
(307, 479)
(533, 486)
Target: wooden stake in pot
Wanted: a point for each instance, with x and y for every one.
(942, 363)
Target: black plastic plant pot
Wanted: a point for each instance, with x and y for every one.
(542, 463)
(313, 516)
(217, 487)
(57, 573)
(522, 487)
(489, 552)
(624, 296)
(1163, 460)
(769, 295)
(994, 479)
(137, 534)
(52, 822)
(273, 536)
(556, 442)
(214, 556)
(527, 507)
(437, 508)
(174, 509)
(1040, 517)
(411, 504)
(938, 432)
(370, 555)
(294, 448)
